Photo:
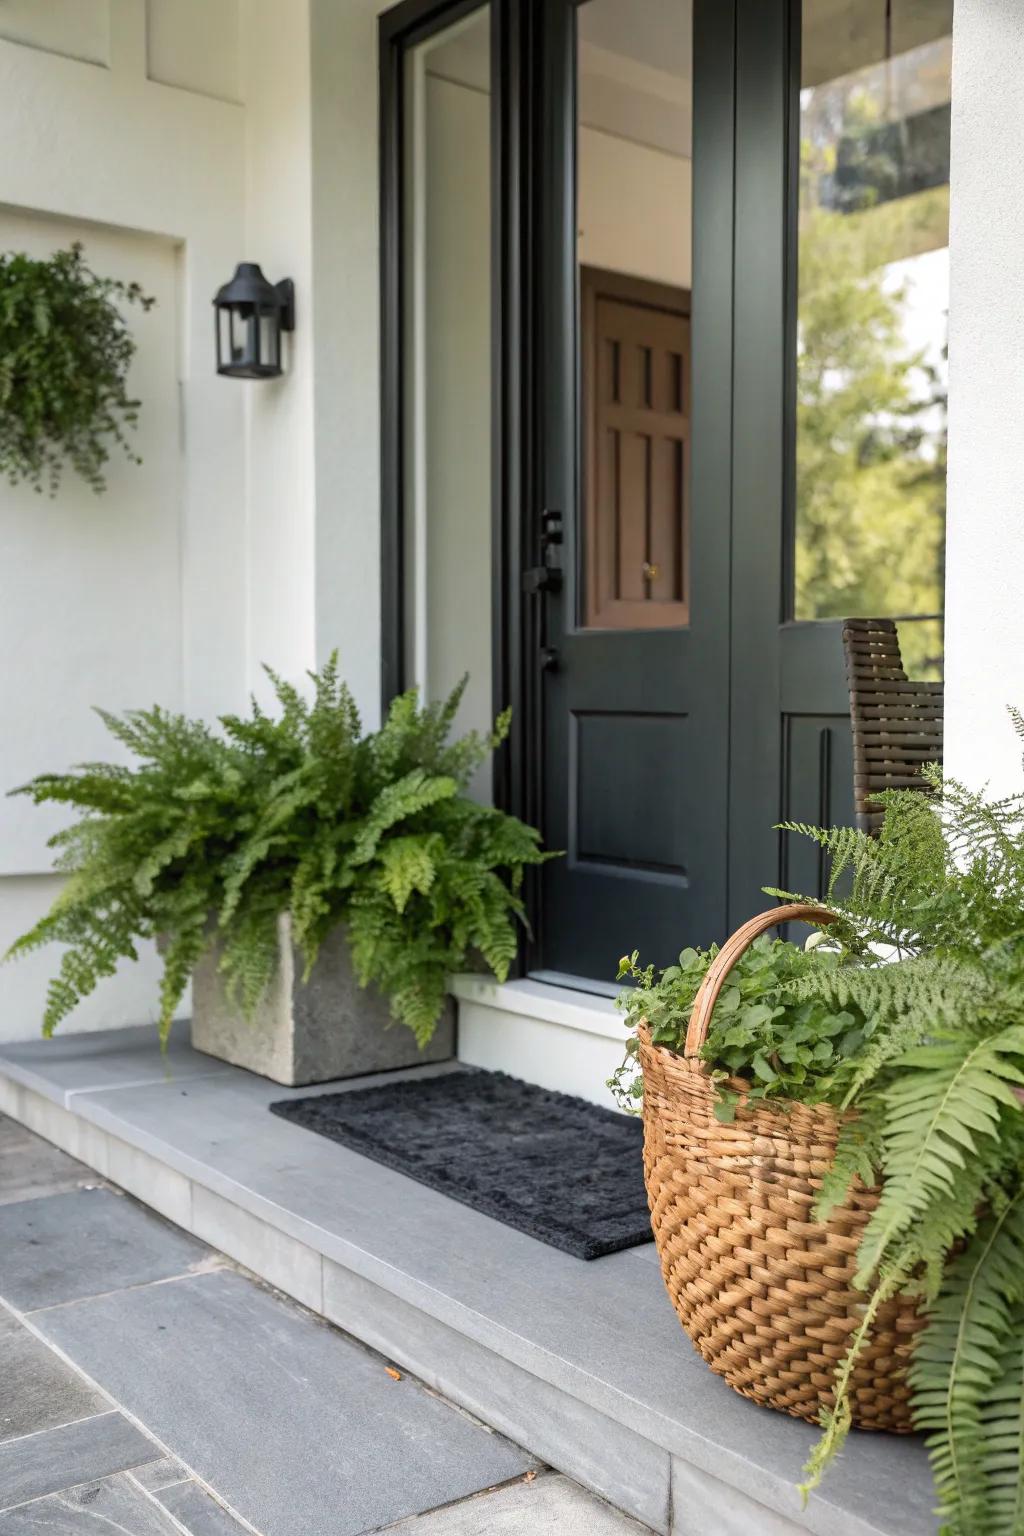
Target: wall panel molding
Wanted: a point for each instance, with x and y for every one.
(73, 29)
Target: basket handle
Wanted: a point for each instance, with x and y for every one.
(730, 952)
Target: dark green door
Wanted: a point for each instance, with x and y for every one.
(713, 493)
(633, 629)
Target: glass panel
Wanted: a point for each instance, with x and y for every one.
(447, 366)
(873, 315)
(634, 64)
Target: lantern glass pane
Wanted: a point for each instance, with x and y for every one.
(269, 339)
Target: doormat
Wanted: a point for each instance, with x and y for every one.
(565, 1171)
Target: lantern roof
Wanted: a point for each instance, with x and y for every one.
(248, 286)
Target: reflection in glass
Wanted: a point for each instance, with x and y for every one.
(633, 159)
(872, 316)
(446, 264)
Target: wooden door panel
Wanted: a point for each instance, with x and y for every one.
(636, 359)
(667, 582)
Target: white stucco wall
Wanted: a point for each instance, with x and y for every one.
(174, 137)
(133, 597)
(346, 374)
(985, 542)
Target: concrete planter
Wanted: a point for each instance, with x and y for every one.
(313, 1032)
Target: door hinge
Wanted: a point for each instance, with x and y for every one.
(546, 577)
(542, 578)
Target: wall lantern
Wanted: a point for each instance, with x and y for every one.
(250, 316)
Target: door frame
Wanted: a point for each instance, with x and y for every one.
(514, 24)
(533, 329)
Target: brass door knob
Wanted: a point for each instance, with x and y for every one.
(651, 572)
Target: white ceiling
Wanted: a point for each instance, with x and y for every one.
(636, 56)
(841, 36)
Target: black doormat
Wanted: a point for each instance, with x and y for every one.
(565, 1171)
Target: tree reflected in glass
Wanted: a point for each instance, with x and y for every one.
(871, 345)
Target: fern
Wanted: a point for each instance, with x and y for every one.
(857, 1156)
(944, 1098)
(1002, 1433)
(835, 1421)
(931, 939)
(211, 835)
(969, 1345)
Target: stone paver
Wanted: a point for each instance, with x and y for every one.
(29, 1166)
(37, 1390)
(247, 1414)
(113, 1505)
(34, 1465)
(62, 1248)
(549, 1505)
(297, 1427)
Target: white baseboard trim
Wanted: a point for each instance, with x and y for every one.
(554, 1036)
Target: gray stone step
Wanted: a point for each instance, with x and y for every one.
(584, 1363)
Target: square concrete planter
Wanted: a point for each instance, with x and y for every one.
(312, 1032)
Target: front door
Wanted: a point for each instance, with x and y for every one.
(741, 209)
(699, 251)
(635, 383)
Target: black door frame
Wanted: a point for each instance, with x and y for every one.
(530, 321)
(514, 23)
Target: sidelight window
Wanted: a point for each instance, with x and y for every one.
(446, 365)
(872, 315)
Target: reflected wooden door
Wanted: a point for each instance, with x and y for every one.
(635, 340)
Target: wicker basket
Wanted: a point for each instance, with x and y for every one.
(764, 1291)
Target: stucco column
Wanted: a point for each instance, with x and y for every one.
(985, 546)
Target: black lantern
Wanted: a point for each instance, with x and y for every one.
(250, 315)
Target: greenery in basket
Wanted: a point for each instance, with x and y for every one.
(211, 835)
(65, 350)
(926, 972)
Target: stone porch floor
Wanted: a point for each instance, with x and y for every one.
(582, 1363)
(148, 1387)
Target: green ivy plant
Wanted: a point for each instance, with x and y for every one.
(210, 835)
(763, 1042)
(926, 973)
(65, 349)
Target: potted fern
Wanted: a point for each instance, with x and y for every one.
(285, 862)
(894, 1054)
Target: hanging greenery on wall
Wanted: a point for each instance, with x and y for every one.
(65, 349)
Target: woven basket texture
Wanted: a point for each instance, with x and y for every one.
(763, 1289)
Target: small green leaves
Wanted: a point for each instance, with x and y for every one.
(66, 350)
(777, 1042)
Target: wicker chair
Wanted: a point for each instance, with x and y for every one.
(897, 724)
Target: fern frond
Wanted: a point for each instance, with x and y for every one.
(957, 1358)
(945, 1097)
(836, 1421)
(408, 864)
(1002, 1433)
(857, 1156)
(397, 802)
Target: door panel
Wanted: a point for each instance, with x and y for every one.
(841, 289)
(635, 340)
(635, 714)
(712, 493)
